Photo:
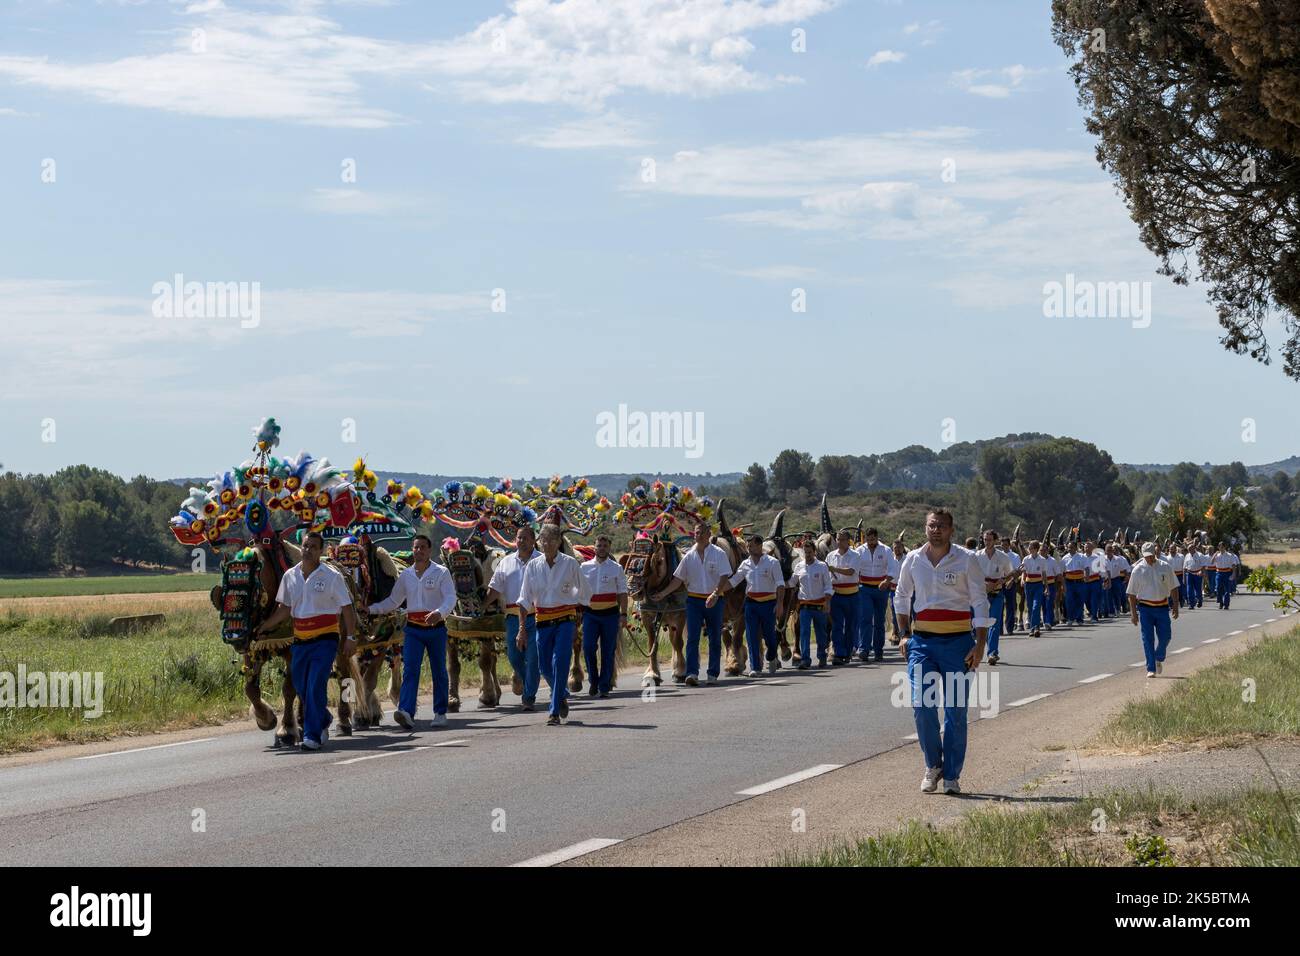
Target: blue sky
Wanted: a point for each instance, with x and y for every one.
(504, 146)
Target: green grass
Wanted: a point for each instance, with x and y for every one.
(1255, 827)
(1209, 705)
(111, 584)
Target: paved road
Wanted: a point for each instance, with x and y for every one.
(499, 787)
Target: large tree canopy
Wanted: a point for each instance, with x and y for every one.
(1197, 106)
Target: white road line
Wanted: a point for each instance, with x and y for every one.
(1138, 664)
(1234, 633)
(1095, 677)
(743, 687)
(1181, 650)
(1271, 620)
(1253, 626)
(450, 743)
(1027, 700)
(136, 750)
(1211, 640)
(386, 753)
(912, 737)
(780, 782)
(569, 852)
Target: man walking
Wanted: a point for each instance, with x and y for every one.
(813, 579)
(429, 595)
(1036, 571)
(1076, 571)
(699, 572)
(995, 564)
(553, 587)
(604, 614)
(1154, 592)
(845, 566)
(507, 578)
(1225, 574)
(764, 587)
(943, 641)
(873, 595)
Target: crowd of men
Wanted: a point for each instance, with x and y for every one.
(947, 606)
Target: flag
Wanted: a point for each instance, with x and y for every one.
(1209, 513)
(1227, 494)
(1161, 505)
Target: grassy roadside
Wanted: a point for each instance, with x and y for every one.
(1250, 695)
(1256, 827)
(110, 584)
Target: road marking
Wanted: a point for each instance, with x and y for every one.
(743, 687)
(780, 782)
(1253, 626)
(1271, 620)
(1138, 664)
(136, 750)
(1181, 650)
(912, 737)
(1027, 700)
(386, 753)
(1095, 677)
(1211, 640)
(1234, 633)
(569, 852)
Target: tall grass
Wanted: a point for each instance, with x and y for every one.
(112, 584)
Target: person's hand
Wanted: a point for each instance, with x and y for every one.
(903, 645)
(1175, 610)
(349, 646)
(975, 656)
(627, 625)
(435, 619)
(521, 641)
(658, 596)
(1133, 618)
(711, 600)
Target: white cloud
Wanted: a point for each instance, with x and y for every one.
(1012, 77)
(881, 57)
(357, 202)
(927, 31)
(301, 67)
(596, 132)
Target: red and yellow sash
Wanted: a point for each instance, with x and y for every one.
(1074, 575)
(937, 620)
(761, 597)
(305, 628)
(420, 618)
(873, 582)
(850, 587)
(558, 613)
(1147, 603)
(603, 602)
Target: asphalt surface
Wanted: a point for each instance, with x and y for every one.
(499, 787)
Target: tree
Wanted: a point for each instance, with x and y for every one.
(1071, 482)
(835, 473)
(753, 485)
(636, 481)
(1197, 106)
(83, 529)
(998, 466)
(792, 470)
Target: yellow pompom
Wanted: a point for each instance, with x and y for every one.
(481, 493)
(502, 501)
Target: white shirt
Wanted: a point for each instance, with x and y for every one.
(1097, 565)
(1076, 562)
(1013, 557)
(1117, 566)
(553, 585)
(1054, 567)
(508, 576)
(874, 564)
(1151, 582)
(1196, 561)
(956, 583)
(432, 592)
(323, 592)
(1225, 561)
(1036, 568)
(995, 568)
(761, 577)
(605, 578)
(812, 580)
(849, 559)
(702, 573)
(894, 565)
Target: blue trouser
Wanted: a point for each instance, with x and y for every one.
(760, 629)
(697, 615)
(1224, 589)
(1182, 589)
(1119, 595)
(872, 602)
(810, 619)
(995, 612)
(524, 662)
(1195, 597)
(943, 655)
(1049, 605)
(1156, 632)
(844, 622)
(1009, 605)
(1074, 600)
(1094, 599)
(310, 665)
(602, 630)
(417, 642)
(554, 653)
(1034, 595)
(1212, 582)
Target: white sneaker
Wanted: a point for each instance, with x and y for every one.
(1160, 667)
(309, 744)
(404, 719)
(439, 720)
(753, 673)
(951, 786)
(324, 736)
(930, 782)
(1151, 673)
(772, 666)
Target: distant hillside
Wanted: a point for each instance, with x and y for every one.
(1289, 465)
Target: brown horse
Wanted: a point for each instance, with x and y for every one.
(649, 567)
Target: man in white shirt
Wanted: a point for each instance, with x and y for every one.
(507, 578)
(1095, 574)
(1154, 591)
(813, 579)
(1176, 561)
(553, 588)
(315, 595)
(873, 596)
(429, 595)
(1009, 591)
(1118, 567)
(1193, 571)
(1052, 584)
(995, 565)
(699, 571)
(950, 603)
(1036, 571)
(764, 587)
(1225, 574)
(1076, 573)
(605, 613)
(845, 568)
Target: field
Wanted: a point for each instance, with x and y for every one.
(107, 584)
